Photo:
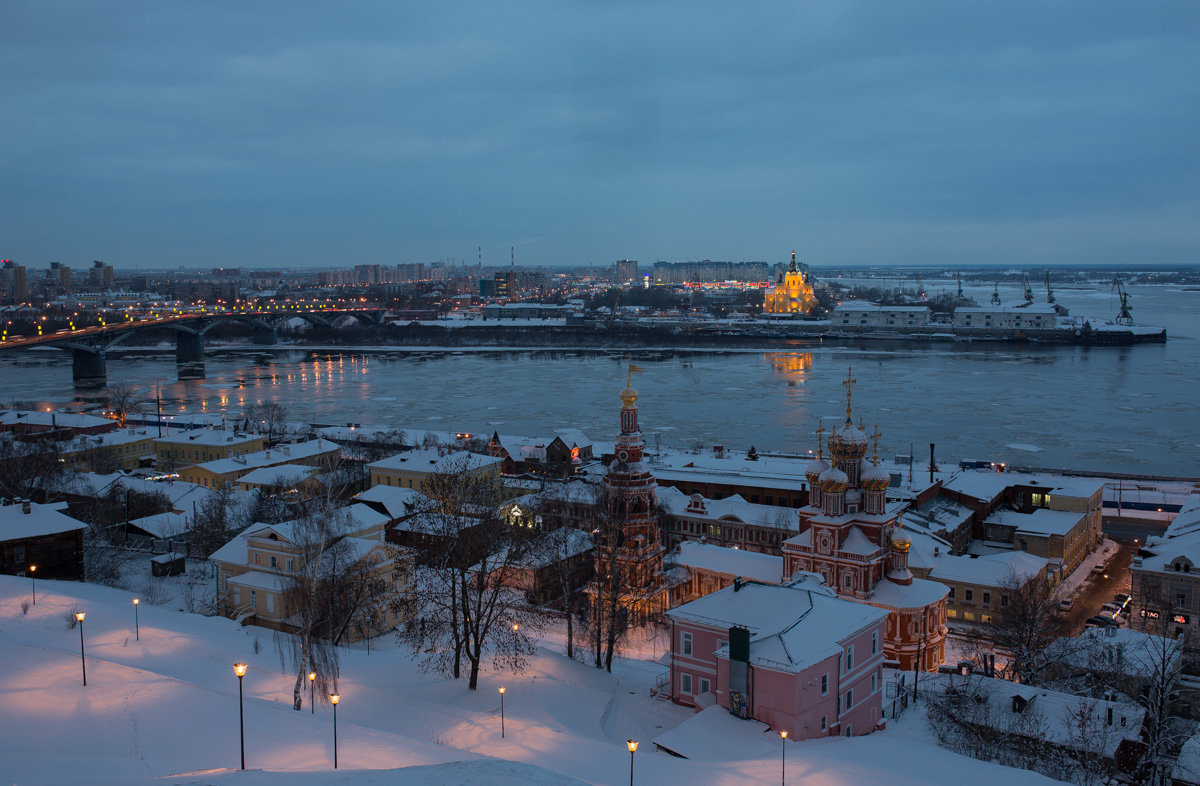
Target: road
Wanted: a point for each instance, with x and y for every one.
(1099, 590)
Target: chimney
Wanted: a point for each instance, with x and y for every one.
(932, 466)
(26, 507)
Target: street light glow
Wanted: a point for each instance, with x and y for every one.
(632, 745)
(239, 669)
(79, 615)
(335, 697)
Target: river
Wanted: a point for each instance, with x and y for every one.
(1125, 409)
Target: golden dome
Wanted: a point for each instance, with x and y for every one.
(901, 543)
(628, 397)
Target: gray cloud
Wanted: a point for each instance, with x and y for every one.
(311, 134)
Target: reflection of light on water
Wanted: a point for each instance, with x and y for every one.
(791, 365)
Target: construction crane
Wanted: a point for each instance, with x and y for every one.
(1123, 316)
(1049, 291)
(612, 316)
(1025, 287)
(996, 293)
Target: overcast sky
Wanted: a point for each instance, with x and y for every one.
(329, 134)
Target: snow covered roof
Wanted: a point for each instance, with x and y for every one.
(16, 417)
(766, 471)
(163, 525)
(792, 627)
(555, 546)
(1118, 650)
(204, 436)
(731, 562)
(41, 520)
(995, 570)
(1058, 712)
(866, 305)
(273, 457)
(919, 594)
(121, 436)
(279, 475)
(734, 506)
(432, 460)
(1042, 521)
(257, 579)
(398, 502)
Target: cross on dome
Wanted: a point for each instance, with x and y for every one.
(849, 383)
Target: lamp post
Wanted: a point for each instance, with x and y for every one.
(783, 757)
(33, 582)
(632, 745)
(137, 628)
(312, 692)
(240, 670)
(335, 698)
(79, 615)
(501, 712)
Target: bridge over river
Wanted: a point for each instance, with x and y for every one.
(89, 345)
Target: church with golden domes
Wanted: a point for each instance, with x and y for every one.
(850, 535)
(794, 295)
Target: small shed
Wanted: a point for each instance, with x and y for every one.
(169, 564)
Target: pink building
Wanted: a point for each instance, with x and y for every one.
(794, 656)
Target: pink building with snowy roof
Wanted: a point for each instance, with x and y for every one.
(793, 656)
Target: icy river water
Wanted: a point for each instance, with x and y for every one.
(1125, 409)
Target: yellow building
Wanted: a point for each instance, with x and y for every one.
(256, 570)
(793, 296)
(411, 469)
(200, 445)
(227, 471)
(125, 449)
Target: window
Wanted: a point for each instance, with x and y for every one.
(824, 723)
(824, 686)
(1180, 599)
(685, 684)
(253, 599)
(874, 682)
(874, 642)
(705, 685)
(951, 592)
(274, 562)
(849, 731)
(270, 602)
(291, 563)
(987, 598)
(970, 595)
(1003, 600)
(850, 659)
(685, 643)
(849, 699)
(257, 558)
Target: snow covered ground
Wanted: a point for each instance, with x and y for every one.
(165, 709)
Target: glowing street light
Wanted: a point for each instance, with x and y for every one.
(632, 745)
(783, 757)
(501, 712)
(335, 698)
(240, 670)
(312, 692)
(33, 582)
(137, 628)
(79, 615)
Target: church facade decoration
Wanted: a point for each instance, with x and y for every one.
(793, 295)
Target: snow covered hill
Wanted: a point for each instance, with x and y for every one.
(166, 708)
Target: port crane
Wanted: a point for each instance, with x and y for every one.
(1123, 316)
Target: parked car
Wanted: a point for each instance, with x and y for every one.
(1098, 570)
(1111, 608)
(1101, 622)
(1121, 597)
(1065, 605)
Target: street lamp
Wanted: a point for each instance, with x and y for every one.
(137, 628)
(33, 582)
(79, 615)
(312, 692)
(501, 712)
(335, 698)
(632, 745)
(783, 757)
(240, 670)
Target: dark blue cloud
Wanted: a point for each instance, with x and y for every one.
(310, 134)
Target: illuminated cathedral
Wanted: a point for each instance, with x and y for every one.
(793, 296)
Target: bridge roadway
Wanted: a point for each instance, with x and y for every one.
(88, 346)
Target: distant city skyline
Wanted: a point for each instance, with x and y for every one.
(294, 135)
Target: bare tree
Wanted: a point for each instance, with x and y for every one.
(332, 585)
(122, 400)
(213, 524)
(620, 597)
(30, 469)
(1027, 621)
(270, 419)
(466, 614)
